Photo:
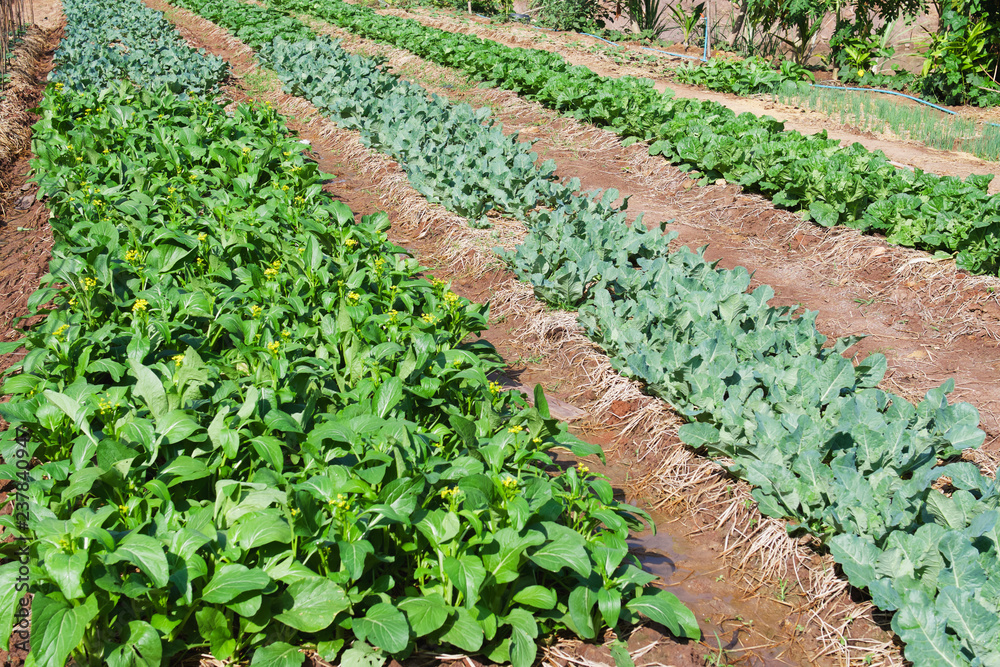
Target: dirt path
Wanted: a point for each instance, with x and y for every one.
(909, 153)
(25, 234)
(638, 431)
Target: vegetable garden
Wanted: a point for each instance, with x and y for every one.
(248, 424)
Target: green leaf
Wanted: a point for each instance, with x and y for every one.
(150, 389)
(353, 554)
(564, 548)
(147, 554)
(581, 605)
(175, 426)
(142, 647)
(467, 574)
(56, 629)
(361, 654)
(214, 628)
(426, 614)
(387, 396)
(522, 649)
(9, 598)
(278, 654)
(663, 607)
(538, 597)
(311, 604)
(232, 580)
(923, 630)
(463, 631)
(385, 627)
(620, 654)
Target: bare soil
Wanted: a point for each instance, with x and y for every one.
(757, 623)
(574, 48)
(25, 234)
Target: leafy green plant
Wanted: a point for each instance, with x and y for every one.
(649, 16)
(576, 15)
(110, 40)
(687, 21)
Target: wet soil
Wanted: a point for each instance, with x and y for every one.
(766, 629)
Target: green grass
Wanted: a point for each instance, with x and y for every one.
(878, 113)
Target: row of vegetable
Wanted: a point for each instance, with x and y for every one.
(828, 183)
(824, 446)
(258, 427)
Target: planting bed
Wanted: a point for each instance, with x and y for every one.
(245, 349)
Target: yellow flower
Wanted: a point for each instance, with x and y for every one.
(132, 256)
(58, 333)
(178, 358)
(450, 298)
(276, 264)
(246, 149)
(393, 315)
(537, 441)
(284, 188)
(286, 334)
(515, 429)
(428, 318)
(255, 311)
(509, 483)
(270, 272)
(139, 305)
(123, 509)
(582, 469)
(193, 177)
(350, 243)
(495, 388)
(202, 237)
(72, 302)
(353, 297)
(89, 284)
(274, 347)
(105, 151)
